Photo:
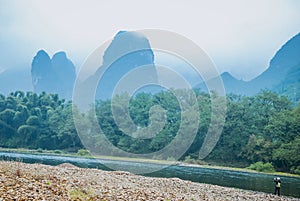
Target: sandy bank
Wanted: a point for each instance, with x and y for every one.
(20, 181)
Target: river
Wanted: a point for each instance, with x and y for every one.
(238, 179)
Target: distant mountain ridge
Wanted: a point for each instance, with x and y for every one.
(285, 59)
(56, 75)
(282, 75)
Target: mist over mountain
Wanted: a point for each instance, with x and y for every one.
(56, 75)
(131, 52)
(282, 75)
(291, 85)
(128, 52)
(231, 84)
(15, 79)
(286, 59)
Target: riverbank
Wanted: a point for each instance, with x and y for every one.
(142, 160)
(22, 181)
(240, 170)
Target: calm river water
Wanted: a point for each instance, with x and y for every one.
(230, 178)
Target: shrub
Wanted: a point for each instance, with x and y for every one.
(190, 160)
(295, 170)
(83, 152)
(57, 151)
(40, 150)
(262, 167)
(171, 158)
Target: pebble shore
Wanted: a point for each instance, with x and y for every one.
(22, 182)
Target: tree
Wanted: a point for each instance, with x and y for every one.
(28, 134)
(287, 155)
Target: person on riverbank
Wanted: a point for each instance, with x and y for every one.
(277, 183)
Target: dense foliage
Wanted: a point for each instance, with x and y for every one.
(263, 130)
(34, 121)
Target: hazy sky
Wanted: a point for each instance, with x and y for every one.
(240, 36)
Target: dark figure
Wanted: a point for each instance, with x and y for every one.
(277, 183)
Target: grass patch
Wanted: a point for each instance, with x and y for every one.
(80, 194)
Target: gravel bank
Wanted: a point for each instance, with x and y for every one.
(20, 181)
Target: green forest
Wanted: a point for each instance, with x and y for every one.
(262, 130)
